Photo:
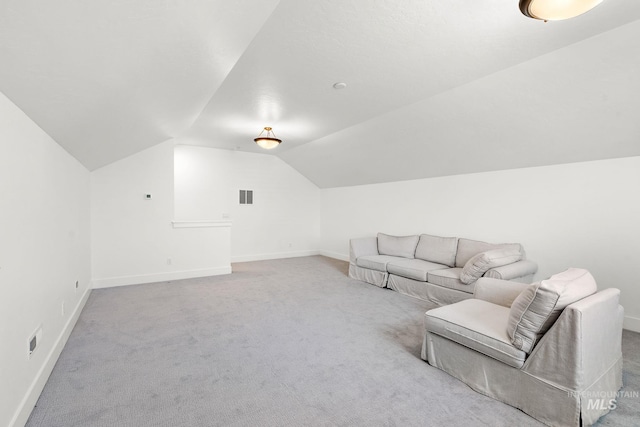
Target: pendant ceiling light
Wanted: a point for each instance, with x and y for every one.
(267, 141)
(556, 10)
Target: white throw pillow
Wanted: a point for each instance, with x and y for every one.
(485, 261)
(536, 309)
(468, 248)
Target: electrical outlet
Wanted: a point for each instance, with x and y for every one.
(33, 341)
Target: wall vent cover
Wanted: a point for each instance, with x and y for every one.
(246, 197)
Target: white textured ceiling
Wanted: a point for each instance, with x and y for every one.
(434, 88)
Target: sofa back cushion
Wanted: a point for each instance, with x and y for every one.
(468, 248)
(441, 250)
(534, 311)
(402, 246)
(484, 261)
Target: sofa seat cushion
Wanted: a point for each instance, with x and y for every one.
(478, 325)
(450, 278)
(375, 262)
(415, 269)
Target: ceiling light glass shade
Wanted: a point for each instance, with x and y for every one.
(556, 10)
(268, 141)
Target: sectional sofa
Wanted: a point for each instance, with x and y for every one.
(441, 270)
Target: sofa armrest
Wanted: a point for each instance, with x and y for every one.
(362, 247)
(583, 344)
(521, 269)
(496, 291)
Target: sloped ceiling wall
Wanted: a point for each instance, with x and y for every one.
(107, 78)
(434, 88)
(575, 104)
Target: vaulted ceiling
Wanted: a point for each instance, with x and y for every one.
(433, 88)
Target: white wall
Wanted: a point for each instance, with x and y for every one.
(44, 250)
(284, 219)
(203, 182)
(574, 215)
(133, 239)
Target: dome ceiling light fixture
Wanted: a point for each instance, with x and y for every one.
(556, 10)
(268, 141)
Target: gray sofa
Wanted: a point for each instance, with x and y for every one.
(441, 270)
(551, 349)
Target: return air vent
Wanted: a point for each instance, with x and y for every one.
(246, 197)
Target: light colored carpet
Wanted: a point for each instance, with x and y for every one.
(290, 342)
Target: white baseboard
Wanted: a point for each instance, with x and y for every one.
(631, 323)
(275, 255)
(33, 392)
(111, 282)
(336, 255)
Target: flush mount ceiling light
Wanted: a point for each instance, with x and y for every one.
(556, 10)
(267, 141)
